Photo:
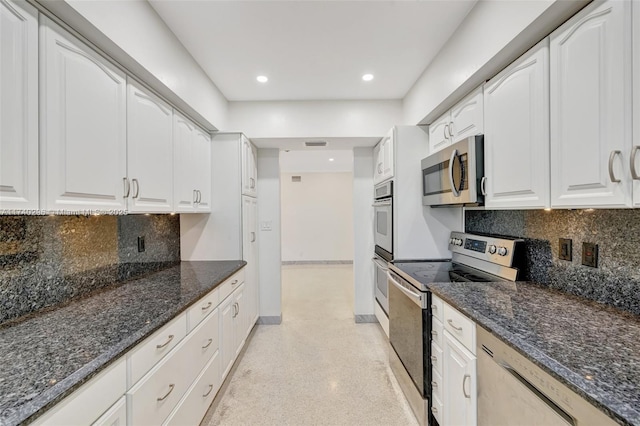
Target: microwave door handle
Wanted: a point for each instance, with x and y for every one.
(380, 264)
(454, 189)
(382, 203)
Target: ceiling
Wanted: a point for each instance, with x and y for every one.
(313, 50)
(327, 161)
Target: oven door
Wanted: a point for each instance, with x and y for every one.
(380, 268)
(410, 330)
(383, 224)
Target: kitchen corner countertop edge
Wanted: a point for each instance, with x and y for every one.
(46, 357)
(591, 348)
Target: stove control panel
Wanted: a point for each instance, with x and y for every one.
(492, 249)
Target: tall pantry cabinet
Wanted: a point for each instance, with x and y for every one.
(234, 212)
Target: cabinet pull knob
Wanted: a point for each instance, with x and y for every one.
(434, 358)
(234, 282)
(210, 390)
(464, 389)
(434, 384)
(434, 333)
(204, 308)
(611, 158)
(634, 172)
(208, 344)
(136, 187)
(165, 343)
(450, 321)
(483, 185)
(434, 307)
(434, 410)
(162, 398)
(127, 187)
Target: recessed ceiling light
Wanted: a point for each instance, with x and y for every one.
(262, 78)
(330, 159)
(367, 77)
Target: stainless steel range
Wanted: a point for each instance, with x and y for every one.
(475, 258)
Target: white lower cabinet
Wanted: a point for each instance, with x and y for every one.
(459, 383)
(115, 416)
(234, 318)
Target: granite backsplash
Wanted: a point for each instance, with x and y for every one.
(48, 260)
(616, 280)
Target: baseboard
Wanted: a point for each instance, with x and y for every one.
(365, 319)
(272, 320)
(317, 262)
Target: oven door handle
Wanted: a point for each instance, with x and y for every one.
(417, 298)
(382, 203)
(380, 264)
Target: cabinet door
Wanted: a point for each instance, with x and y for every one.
(387, 156)
(590, 108)
(83, 131)
(115, 416)
(460, 397)
(249, 252)
(241, 318)
(516, 108)
(636, 103)
(378, 158)
(149, 151)
(227, 345)
(202, 164)
(439, 136)
(18, 106)
(467, 117)
(249, 162)
(184, 192)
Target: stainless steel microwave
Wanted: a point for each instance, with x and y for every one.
(455, 175)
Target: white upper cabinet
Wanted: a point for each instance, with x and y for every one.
(192, 167)
(465, 119)
(516, 126)
(384, 156)
(18, 106)
(83, 126)
(591, 108)
(149, 151)
(636, 105)
(249, 168)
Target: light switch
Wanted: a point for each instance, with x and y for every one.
(265, 226)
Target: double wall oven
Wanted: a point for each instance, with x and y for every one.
(475, 258)
(383, 236)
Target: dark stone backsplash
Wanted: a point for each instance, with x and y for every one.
(48, 260)
(615, 282)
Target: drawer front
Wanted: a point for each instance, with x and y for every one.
(437, 308)
(461, 327)
(436, 385)
(198, 399)
(437, 408)
(116, 416)
(88, 403)
(437, 331)
(153, 349)
(228, 287)
(202, 308)
(202, 343)
(436, 357)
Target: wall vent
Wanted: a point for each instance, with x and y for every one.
(296, 178)
(315, 143)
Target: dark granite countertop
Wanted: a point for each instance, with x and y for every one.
(592, 348)
(47, 356)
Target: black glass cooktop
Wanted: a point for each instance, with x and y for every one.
(422, 273)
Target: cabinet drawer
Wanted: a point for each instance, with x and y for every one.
(436, 385)
(116, 416)
(436, 357)
(153, 349)
(202, 344)
(461, 327)
(227, 287)
(437, 331)
(437, 308)
(202, 308)
(198, 399)
(437, 408)
(89, 402)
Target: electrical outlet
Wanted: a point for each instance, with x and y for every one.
(141, 246)
(590, 255)
(565, 250)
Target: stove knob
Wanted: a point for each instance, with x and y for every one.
(458, 242)
(492, 249)
(451, 240)
(502, 251)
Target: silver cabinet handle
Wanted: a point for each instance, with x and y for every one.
(162, 398)
(483, 185)
(127, 187)
(434, 384)
(199, 196)
(253, 237)
(208, 344)
(446, 131)
(634, 172)
(434, 307)
(204, 308)
(434, 333)
(253, 183)
(464, 389)
(165, 343)
(450, 321)
(434, 358)
(136, 188)
(234, 282)
(379, 168)
(451, 129)
(235, 310)
(195, 197)
(434, 410)
(454, 190)
(210, 390)
(611, 158)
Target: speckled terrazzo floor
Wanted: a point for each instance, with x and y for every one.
(318, 367)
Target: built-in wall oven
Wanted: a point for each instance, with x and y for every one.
(383, 253)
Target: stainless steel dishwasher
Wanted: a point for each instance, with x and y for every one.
(513, 391)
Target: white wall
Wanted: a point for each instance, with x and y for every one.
(269, 242)
(492, 35)
(308, 119)
(317, 216)
(136, 29)
(363, 231)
